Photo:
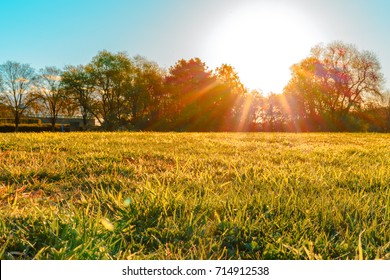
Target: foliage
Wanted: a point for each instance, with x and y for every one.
(33, 127)
(78, 86)
(22, 121)
(190, 89)
(336, 88)
(237, 108)
(145, 96)
(111, 76)
(194, 196)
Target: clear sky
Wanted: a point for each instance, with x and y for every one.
(260, 38)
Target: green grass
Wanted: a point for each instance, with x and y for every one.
(194, 196)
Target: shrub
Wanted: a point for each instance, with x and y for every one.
(33, 128)
(22, 121)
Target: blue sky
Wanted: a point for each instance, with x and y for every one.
(261, 39)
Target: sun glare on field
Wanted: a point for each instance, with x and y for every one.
(261, 42)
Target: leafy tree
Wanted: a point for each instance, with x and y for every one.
(273, 116)
(17, 84)
(239, 108)
(111, 76)
(227, 75)
(5, 112)
(205, 101)
(305, 98)
(189, 84)
(386, 108)
(145, 94)
(388, 114)
(77, 84)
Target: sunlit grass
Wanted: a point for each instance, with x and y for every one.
(194, 196)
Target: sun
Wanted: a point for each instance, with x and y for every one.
(262, 42)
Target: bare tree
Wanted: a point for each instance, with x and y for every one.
(50, 92)
(334, 81)
(350, 76)
(16, 84)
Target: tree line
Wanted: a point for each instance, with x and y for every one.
(336, 88)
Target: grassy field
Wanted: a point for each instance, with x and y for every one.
(194, 196)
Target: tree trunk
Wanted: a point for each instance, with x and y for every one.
(85, 120)
(17, 120)
(53, 123)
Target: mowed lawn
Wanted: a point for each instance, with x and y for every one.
(194, 196)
